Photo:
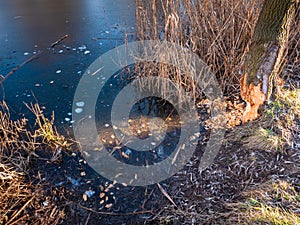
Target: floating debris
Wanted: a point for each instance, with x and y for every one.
(80, 104)
(59, 184)
(67, 119)
(160, 152)
(106, 125)
(89, 193)
(26, 53)
(82, 47)
(61, 51)
(78, 110)
(51, 82)
(108, 205)
(37, 85)
(74, 181)
(87, 52)
(128, 151)
(45, 203)
(58, 71)
(102, 195)
(82, 174)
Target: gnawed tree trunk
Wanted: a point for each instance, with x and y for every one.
(265, 58)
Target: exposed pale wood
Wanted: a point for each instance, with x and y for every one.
(266, 54)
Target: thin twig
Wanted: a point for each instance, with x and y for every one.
(88, 218)
(18, 67)
(59, 41)
(19, 211)
(111, 213)
(166, 194)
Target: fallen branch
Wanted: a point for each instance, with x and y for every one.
(3, 78)
(59, 41)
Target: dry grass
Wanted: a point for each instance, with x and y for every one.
(23, 202)
(219, 32)
(274, 203)
(264, 139)
(233, 190)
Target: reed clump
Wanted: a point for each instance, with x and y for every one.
(22, 200)
(219, 32)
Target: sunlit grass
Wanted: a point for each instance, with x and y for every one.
(273, 203)
(264, 139)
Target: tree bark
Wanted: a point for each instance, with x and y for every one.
(265, 58)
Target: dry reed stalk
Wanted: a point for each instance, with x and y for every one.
(219, 32)
(20, 200)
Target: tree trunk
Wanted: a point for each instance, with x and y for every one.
(265, 58)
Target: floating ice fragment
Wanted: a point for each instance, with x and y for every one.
(78, 110)
(160, 151)
(73, 181)
(128, 151)
(89, 193)
(80, 104)
(82, 47)
(45, 203)
(82, 174)
(58, 71)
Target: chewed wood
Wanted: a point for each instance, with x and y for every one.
(254, 98)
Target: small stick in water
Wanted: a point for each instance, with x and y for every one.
(3, 78)
(59, 41)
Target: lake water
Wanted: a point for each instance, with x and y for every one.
(28, 27)
(93, 28)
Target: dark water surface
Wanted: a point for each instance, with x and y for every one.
(28, 27)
